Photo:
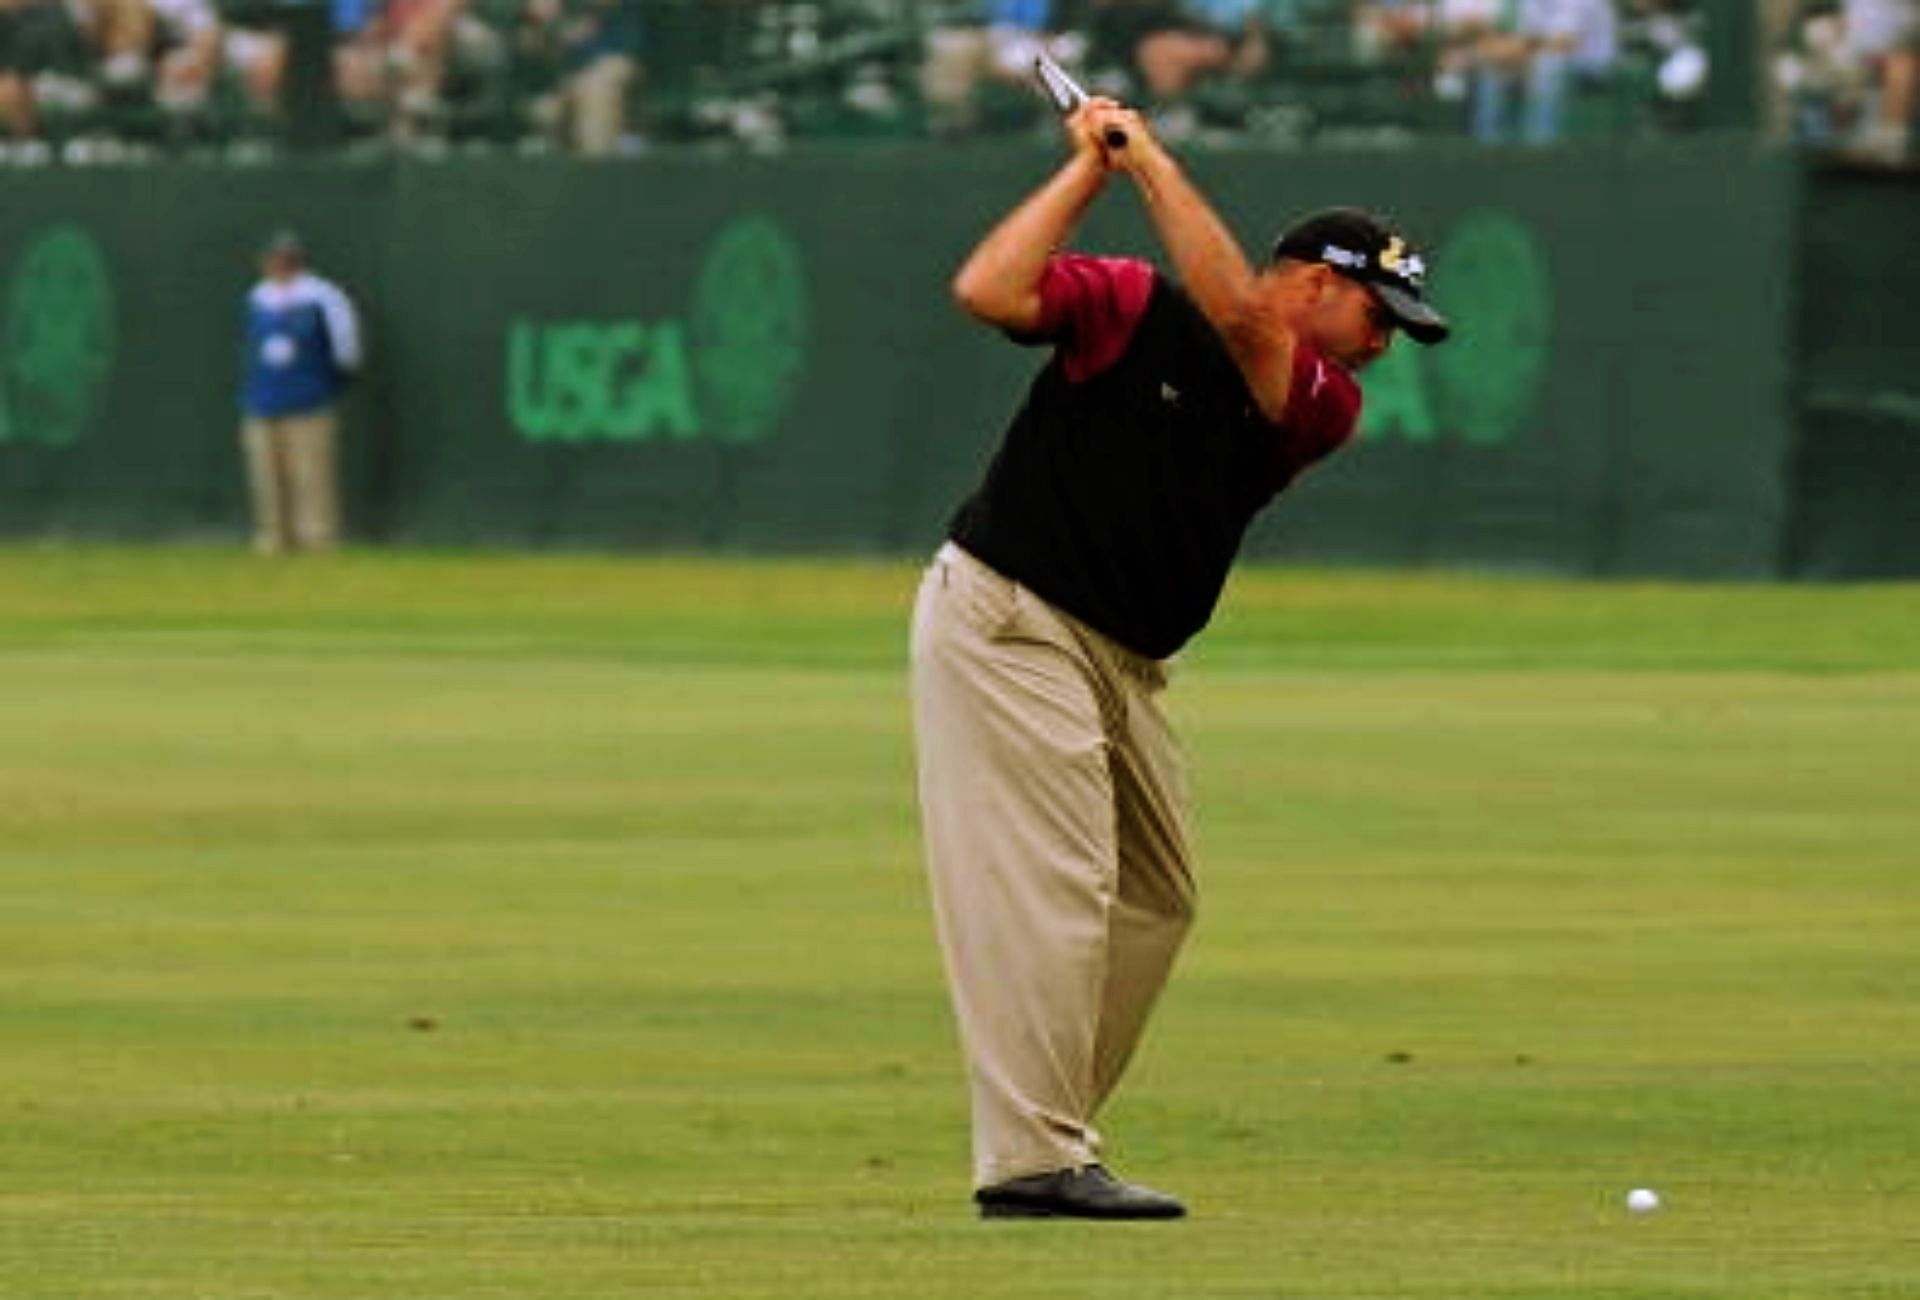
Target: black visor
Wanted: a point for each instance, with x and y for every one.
(1364, 248)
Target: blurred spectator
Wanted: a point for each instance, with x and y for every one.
(168, 53)
(188, 46)
(1884, 35)
(1824, 86)
(590, 51)
(360, 69)
(302, 343)
(1668, 36)
(1459, 30)
(1391, 29)
(996, 41)
(1164, 50)
(418, 39)
(398, 62)
(1197, 41)
(1528, 60)
(256, 57)
(42, 55)
(121, 37)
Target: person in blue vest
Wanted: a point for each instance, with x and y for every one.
(302, 349)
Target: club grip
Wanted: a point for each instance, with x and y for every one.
(1116, 138)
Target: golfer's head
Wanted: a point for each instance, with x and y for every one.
(1367, 281)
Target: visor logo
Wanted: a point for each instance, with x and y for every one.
(1403, 262)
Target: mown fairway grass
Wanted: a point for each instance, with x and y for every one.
(454, 927)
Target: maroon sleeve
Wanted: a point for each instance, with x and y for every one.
(1089, 308)
(1323, 409)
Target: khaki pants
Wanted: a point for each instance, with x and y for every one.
(1053, 801)
(597, 98)
(292, 481)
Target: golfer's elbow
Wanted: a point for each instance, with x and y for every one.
(968, 292)
(992, 300)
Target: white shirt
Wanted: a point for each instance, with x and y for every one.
(343, 324)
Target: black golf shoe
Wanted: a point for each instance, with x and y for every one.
(1089, 1192)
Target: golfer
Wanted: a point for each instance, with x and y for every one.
(1051, 786)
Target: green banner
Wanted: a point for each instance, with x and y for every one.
(759, 354)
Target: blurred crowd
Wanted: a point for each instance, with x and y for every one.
(87, 78)
(1503, 71)
(81, 79)
(1845, 74)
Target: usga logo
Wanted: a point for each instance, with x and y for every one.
(57, 339)
(1492, 277)
(587, 381)
(726, 372)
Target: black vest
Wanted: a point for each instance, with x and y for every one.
(1123, 499)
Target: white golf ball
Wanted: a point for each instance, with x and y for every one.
(1643, 1200)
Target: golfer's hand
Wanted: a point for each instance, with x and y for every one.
(1105, 118)
(1092, 123)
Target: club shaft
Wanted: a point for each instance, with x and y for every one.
(1068, 96)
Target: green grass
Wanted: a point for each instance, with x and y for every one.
(452, 927)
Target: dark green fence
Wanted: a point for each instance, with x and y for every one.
(758, 353)
(1856, 471)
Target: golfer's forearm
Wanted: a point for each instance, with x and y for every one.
(1204, 252)
(1000, 282)
(1218, 278)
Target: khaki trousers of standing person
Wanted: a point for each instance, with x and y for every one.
(1053, 801)
(597, 99)
(293, 481)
